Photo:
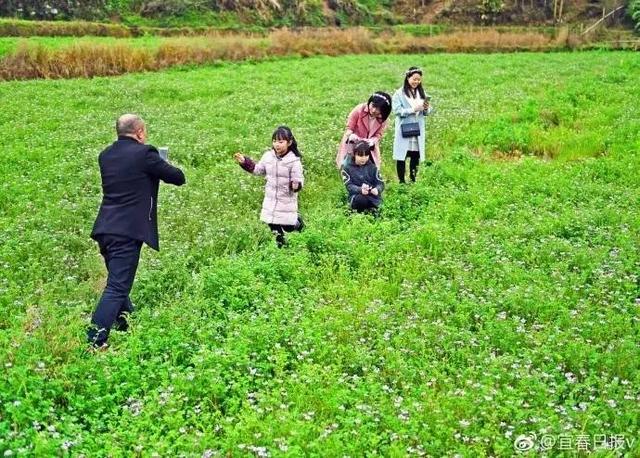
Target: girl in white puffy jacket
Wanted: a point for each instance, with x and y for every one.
(282, 167)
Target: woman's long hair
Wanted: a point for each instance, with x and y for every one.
(284, 133)
(408, 91)
(382, 101)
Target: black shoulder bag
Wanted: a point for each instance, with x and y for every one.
(410, 129)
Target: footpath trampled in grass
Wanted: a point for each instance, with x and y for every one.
(497, 297)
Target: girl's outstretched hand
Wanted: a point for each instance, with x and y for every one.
(239, 158)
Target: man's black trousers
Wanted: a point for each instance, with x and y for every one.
(121, 256)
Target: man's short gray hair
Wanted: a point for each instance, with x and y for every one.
(129, 124)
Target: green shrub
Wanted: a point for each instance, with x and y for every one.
(633, 10)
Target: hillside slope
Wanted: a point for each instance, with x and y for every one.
(317, 13)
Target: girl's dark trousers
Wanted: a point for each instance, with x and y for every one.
(362, 203)
(279, 230)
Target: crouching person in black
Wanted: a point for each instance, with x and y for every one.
(362, 180)
(131, 171)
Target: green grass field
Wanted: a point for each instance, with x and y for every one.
(8, 45)
(497, 297)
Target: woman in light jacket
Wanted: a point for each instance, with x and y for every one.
(410, 105)
(367, 121)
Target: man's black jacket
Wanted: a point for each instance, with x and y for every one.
(130, 174)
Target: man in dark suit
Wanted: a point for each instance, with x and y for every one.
(130, 171)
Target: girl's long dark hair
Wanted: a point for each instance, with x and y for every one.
(407, 88)
(284, 133)
(382, 101)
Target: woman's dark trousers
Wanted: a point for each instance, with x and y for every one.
(414, 161)
(121, 256)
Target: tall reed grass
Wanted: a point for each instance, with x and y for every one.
(86, 60)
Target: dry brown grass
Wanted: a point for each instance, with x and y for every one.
(482, 41)
(87, 60)
(93, 59)
(209, 49)
(77, 61)
(328, 41)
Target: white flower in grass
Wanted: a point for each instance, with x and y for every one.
(259, 451)
(612, 403)
(464, 423)
(328, 430)
(281, 443)
(134, 406)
